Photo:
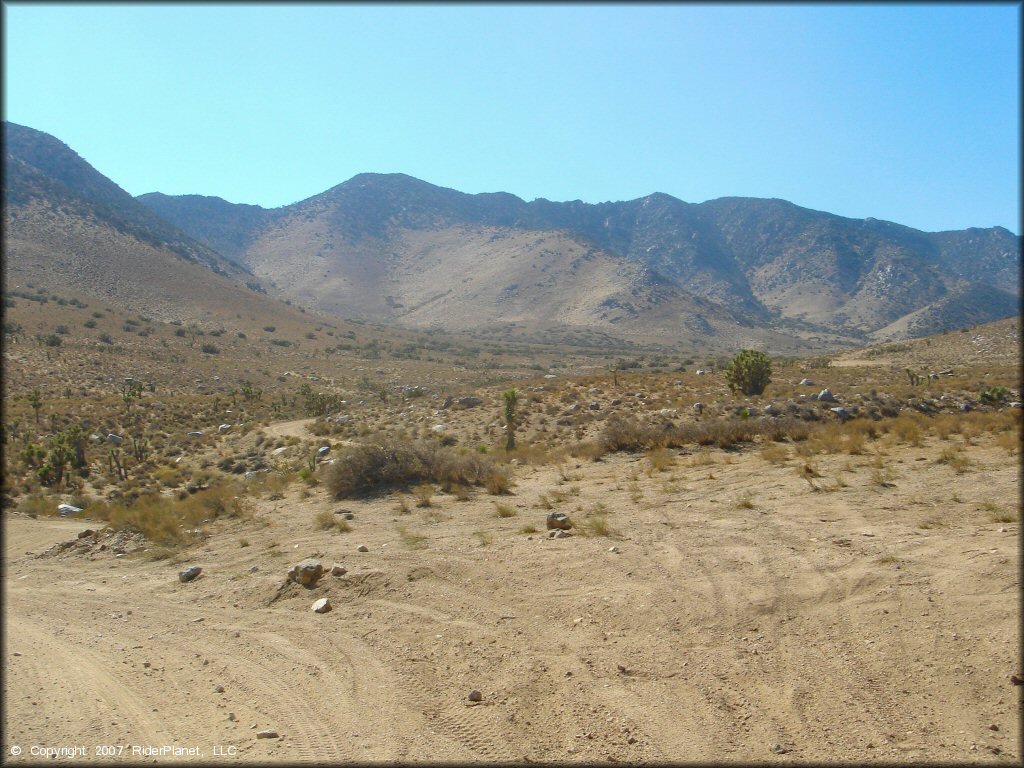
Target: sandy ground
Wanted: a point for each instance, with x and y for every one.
(745, 617)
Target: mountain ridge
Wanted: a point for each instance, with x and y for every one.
(768, 258)
(393, 249)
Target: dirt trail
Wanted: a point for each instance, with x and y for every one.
(296, 428)
(745, 617)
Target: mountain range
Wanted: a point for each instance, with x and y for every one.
(394, 249)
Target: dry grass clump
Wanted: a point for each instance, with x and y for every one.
(906, 428)
(169, 521)
(498, 482)
(956, 459)
(386, 463)
(503, 510)
(327, 520)
(423, 492)
(659, 460)
(627, 434)
(775, 454)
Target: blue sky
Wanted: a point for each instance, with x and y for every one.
(909, 113)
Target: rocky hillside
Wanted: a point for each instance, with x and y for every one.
(767, 263)
(41, 171)
(71, 230)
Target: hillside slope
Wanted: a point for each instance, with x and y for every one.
(765, 260)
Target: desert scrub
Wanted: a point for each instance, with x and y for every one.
(659, 460)
(385, 464)
(327, 520)
(956, 459)
(498, 482)
(411, 539)
(596, 524)
(775, 454)
(503, 510)
(745, 500)
(168, 521)
(424, 492)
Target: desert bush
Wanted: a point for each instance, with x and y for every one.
(906, 429)
(596, 525)
(995, 395)
(498, 482)
(749, 372)
(423, 492)
(659, 460)
(385, 463)
(36, 505)
(327, 520)
(775, 454)
(503, 510)
(210, 349)
(168, 521)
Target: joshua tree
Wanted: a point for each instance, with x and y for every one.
(35, 399)
(511, 400)
(131, 390)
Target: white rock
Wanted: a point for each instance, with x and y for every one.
(323, 605)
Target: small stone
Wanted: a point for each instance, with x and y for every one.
(231, 716)
(993, 727)
(475, 695)
(362, 548)
(622, 669)
(778, 749)
(219, 689)
(189, 573)
(614, 550)
(562, 534)
(307, 573)
(338, 570)
(323, 605)
(86, 532)
(146, 665)
(558, 520)
(631, 740)
(267, 734)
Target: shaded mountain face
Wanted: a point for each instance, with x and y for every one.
(761, 262)
(69, 228)
(40, 169)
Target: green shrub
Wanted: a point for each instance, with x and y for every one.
(749, 372)
(995, 395)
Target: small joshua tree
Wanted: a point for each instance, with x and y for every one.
(749, 372)
(35, 399)
(511, 400)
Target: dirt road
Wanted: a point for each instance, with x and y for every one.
(745, 617)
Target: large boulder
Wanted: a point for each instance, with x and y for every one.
(307, 573)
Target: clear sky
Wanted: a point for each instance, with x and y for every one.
(909, 113)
